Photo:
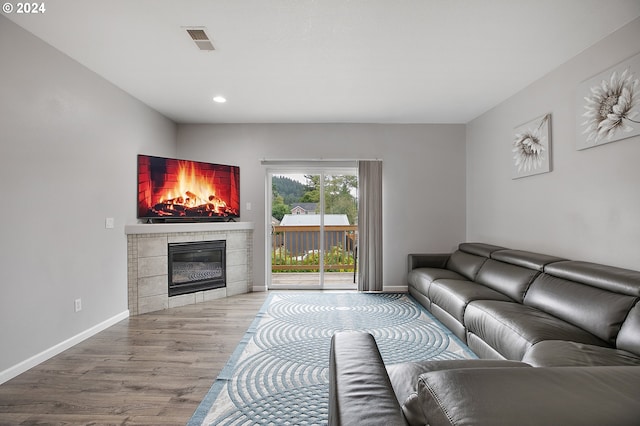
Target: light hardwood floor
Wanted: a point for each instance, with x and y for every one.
(152, 369)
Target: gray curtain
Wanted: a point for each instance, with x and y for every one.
(370, 225)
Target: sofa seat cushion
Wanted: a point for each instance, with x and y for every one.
(511, 328)
(558, 353)
(567, 396)
(421, 278)
(453, 296)
(404, 379)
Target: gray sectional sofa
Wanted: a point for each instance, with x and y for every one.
(523, 306)
(577, 322)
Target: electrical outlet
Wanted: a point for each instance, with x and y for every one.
(109, 223)
(78, 305)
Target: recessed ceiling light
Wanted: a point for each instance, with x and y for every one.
(220, 99)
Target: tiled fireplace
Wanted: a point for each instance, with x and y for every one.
(148, 262)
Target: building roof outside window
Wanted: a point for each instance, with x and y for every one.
(314, 220)
(304, 208)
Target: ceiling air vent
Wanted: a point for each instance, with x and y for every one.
(200, 38)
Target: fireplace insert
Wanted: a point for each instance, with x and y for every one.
(196, 266)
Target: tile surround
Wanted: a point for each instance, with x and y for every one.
(148, 270)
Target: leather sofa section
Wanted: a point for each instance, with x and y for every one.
(421, 298)
(568, 396)
(479, 249)
(404, 377)
(506, 278)
(511, 328)
(454, 295)
(428, 260)
(572, 297)
(465, 264)
(360, 392)
(598, 311)
(629, 335)
(526, 259)
(610, 278)
(420, 281)
(559, 353)
(422, 278)
(481, 348)
(462, 264)
(455, 326)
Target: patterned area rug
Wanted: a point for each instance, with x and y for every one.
(278, 375)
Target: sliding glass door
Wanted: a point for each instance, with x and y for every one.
(340, 226)
(312, 232)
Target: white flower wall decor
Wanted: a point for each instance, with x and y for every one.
(609, 105)
(531, 147)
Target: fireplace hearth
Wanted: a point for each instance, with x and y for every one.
(148, 262)
(196, 266)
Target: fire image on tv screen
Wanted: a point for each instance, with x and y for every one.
(183, 189)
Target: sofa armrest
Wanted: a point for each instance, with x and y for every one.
(532, 396)
(428, 260)
(360, 392)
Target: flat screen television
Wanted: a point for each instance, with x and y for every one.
(170, 189)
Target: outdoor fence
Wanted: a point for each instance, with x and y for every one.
(297, 248)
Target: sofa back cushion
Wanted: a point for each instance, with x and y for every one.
(618, 280)
(526, 259)
(629, 336)
(510, 280)
(465, 264)
(469, 257)
(598, 311)
(511, 272)
(479, 249)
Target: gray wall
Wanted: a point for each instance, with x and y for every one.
(423, 176)
(68, 145)
(588, 207)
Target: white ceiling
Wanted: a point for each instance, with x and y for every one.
(320, 61)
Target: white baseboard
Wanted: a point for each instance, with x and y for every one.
(27, 364)
(395, 289)
(386, 289)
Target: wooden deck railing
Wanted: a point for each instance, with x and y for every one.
(296, 248)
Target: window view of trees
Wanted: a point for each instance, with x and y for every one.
(286, 192)
(339, 195)
(296, 248)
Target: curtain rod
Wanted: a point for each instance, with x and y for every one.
(269, 161)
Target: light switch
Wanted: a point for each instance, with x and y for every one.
(109, 223)
(248, 206)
